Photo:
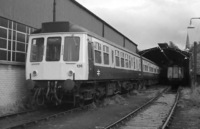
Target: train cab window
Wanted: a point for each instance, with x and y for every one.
(71, 49)
(117, 61)
(106, 54)
(97, 49)
(53, 49)
(37, 49)
(122, 59)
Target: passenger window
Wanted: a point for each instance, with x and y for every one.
(106, 54)
(113, 57)
(139, 64)
(122, 59)
(134, 62)
(129, 60)
(97, 47)
(117, 61)
(126, 61)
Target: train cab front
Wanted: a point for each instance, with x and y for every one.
(52, 65)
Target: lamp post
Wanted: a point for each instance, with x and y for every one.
(54, 10)
(191, 22)
(193, 58)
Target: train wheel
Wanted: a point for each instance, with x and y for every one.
(79, 102)
(40, 97)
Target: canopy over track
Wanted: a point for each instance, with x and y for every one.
(166, 56)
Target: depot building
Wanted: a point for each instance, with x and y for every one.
(18, 19)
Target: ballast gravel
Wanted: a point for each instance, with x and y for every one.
(153, 116)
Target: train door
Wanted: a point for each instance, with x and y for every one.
(90, 59)
(112, 55)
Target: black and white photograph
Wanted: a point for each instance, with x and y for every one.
(99, 64)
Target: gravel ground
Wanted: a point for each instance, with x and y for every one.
(153, 116)
(102, 115)
(187, 115)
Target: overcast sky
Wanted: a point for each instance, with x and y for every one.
(148, 22)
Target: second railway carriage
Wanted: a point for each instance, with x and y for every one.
(66, 63)
(175, 75)
(150, 72)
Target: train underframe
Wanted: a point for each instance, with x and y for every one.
(79, 92)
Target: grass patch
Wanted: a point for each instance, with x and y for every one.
(195, 96)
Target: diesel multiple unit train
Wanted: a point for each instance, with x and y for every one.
(68, 64)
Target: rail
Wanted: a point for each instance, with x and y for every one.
(133, 113)
(45, 118)
(169, 117)
(16, 114)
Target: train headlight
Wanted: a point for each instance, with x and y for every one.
(70, 73)
(35, 73)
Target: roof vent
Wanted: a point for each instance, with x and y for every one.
(48, 27)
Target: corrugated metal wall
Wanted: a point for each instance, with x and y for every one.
(34, 12)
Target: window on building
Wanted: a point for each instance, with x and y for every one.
(13, 40)
(3, 43)
(106, 54)
(71, 49)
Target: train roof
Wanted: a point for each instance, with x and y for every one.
(63, 27)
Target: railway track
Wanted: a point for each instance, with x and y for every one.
(25, 119)
(154, 114)
(16, 114)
